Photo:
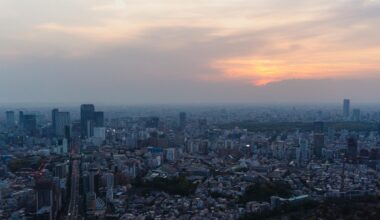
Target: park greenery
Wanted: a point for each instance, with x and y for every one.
(175, 186)
(262, 191)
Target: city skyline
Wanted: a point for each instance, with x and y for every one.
(216, 52)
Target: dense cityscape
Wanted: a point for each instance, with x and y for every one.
(189, 110)
(190, 162)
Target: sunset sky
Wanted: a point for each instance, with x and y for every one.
(177, 51)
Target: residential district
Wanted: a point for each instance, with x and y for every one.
(186, 162)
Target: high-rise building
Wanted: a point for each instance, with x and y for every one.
(319, 143)
(356, 114)
(109, 184)
(30, 124)
(60, 122)
(10, 118)
(346, 108)
(44, 200)
(54, 114)
(352, 147)
(182, 120)
(87, 120)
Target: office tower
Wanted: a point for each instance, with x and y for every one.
(44, 199)
(319, 143)
(54, 114)
(21, 119)
(10, 119)
(99, 119)
(182, 120)
(318, 127)
(109, 186)
(346, 108)
(62, 122)
(352, 147)
(30, 124)
(356, 115)
(86, 120)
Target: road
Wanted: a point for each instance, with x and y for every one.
(72, 213)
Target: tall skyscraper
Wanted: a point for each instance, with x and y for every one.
(10, 119)
(182, 120)
(319, 139)
(44, 199)
(346, 108)
(319, 143)
(109, 186)
(54, 114)
(86, 120)
(60, 122)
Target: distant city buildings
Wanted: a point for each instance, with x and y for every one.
(157, 163)
(61, 123)
(10, 119)
(90, 119)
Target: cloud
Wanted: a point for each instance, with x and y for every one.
(337, 45)
(174, 50)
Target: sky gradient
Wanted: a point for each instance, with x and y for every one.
(175, 51)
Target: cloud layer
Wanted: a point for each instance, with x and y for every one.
(186, 51)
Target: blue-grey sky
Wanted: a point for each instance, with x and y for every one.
(176, 51)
